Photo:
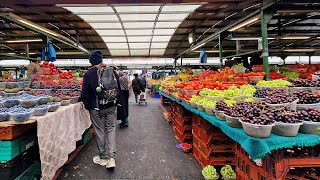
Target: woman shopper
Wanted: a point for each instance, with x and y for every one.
(102, 110)
(137, 87)
(123, 110)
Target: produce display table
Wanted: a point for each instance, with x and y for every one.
(58, 133)
(257, 148)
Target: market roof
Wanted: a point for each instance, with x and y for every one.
(160, 29)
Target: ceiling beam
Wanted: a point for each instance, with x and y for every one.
(212, 16)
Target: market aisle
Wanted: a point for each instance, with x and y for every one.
(145, 150)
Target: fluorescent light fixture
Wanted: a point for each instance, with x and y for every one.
(198, 46)
(69, 53)
(210, 51)
(245, 23)
(191, 38)
(11, 53)
(299, 50)
(247, 38)
(30, 53)
(24, 40)
(295, 37)
(83, 49)
(38, 27)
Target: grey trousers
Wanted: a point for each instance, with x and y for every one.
(103, 122)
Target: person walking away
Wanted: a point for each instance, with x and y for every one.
(144, 81)
(33, 67)
(137, 86)
(123, 110)
(99, 96)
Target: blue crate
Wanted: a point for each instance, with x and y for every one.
(156, 95)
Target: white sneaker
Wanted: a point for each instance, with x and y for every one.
(102, 162)
(111, 163)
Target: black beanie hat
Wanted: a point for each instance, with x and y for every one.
(95, 57)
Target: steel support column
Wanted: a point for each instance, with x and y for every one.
(220, 51)
(266, 16)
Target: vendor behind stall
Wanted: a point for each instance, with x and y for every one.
(34, 67)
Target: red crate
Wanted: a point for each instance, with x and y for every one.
(202, 123)
(183, 137)
(14, 131)
(206, 138)
(243, 157)
(207, 150)
(182, 119)
(215, 161)
(182, 128)
(250, 171)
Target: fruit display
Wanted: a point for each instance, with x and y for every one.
(10, 101)
(261, 93)
(40, 110)
(306, 97)
(209, 172)
(274, 83)
(19, 114)
(210, 92)
(280, 96)
(13, 90)
(221, 106)
(53, 106)
(285, 115)
(228, 172)
(311, 115)
(248, 90)
(232, 91)
(291, 75)
(276, 75)
(4, 116)
(305, 83)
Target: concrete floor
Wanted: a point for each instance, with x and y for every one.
(145, 150)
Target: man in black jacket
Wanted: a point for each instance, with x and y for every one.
(102, 116)
(137, 87)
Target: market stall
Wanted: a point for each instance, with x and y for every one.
(264, 121)
(49, 102)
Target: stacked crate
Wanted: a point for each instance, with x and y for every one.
(18, 149)
(210, 145)
(182, 124)
(277, 164)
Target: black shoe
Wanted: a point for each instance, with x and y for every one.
(123, 126)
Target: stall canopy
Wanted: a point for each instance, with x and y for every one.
(120, 30)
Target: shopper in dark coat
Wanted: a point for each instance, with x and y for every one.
(103, 116)
(123, 110)
(137, 87)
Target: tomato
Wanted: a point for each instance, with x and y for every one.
(45, 63)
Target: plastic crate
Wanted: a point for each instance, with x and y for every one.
(156, 95)
(33, 172)
(251, 170)
(182, 128)
(14, 167)
(183, 137)
(211, 160)
(202, 123)
(15, 131)
(206, 138)
(181, 119)
(207, 150)
(85, 137)
(11, 149)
